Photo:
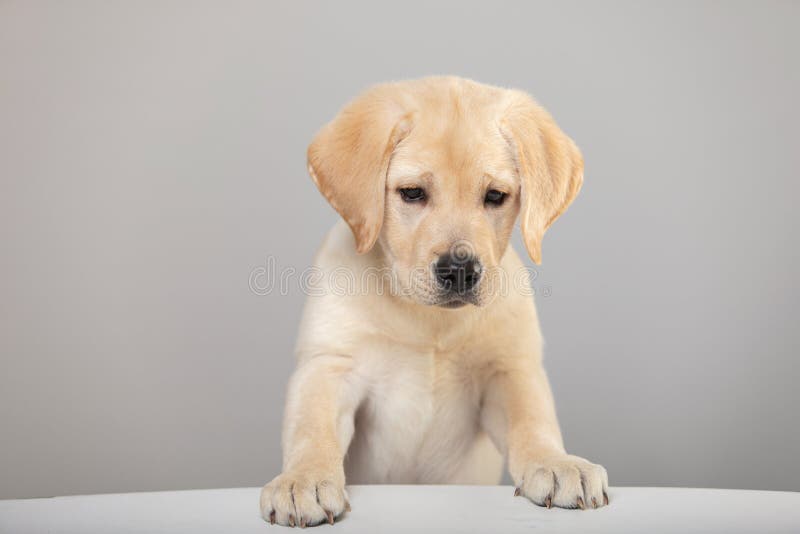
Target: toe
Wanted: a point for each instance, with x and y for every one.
(569, 491)
(332, 499)
(267, 510)
(539, 486)
(592, 481)
(308, 510)
(283, 503)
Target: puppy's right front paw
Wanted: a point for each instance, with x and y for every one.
(303, 499)
(565, 481)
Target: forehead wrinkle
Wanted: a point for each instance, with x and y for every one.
(402, 169)
(500, 179)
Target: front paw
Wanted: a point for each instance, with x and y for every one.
(300, 498)
(565, 481)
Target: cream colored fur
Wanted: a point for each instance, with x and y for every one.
(390, 386)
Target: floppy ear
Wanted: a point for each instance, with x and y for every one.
(349, 158)
(549, 164)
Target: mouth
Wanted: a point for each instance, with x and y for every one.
(453, 301)
(453, 304)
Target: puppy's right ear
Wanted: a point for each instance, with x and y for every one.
(349, 159)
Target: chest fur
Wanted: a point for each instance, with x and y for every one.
(419, 416)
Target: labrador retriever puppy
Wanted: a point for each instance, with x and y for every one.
(419, 353)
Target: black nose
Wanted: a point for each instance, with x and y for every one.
(457, 274)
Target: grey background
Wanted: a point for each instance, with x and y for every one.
(152, 156)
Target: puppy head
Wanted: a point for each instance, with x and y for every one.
(436, 171)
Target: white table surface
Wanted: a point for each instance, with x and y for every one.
(377, 509)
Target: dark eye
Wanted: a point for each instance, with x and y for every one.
(412, 194)
(495, 197)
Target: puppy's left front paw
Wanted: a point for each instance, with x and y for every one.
(565, 481)
(304, 498)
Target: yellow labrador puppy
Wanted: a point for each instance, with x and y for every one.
(415, 365)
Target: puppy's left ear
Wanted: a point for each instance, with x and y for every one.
(549, 164)
(349, 159)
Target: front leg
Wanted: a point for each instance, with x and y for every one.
(519, 414)
(318, 426)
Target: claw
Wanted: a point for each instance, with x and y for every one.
(272, 517)
(347, 506)
(594, 502)
(330, 517)
(303, 522)
(548, 501)
(605, 498)
(580, 503)
(517, 492)
(291, 520)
